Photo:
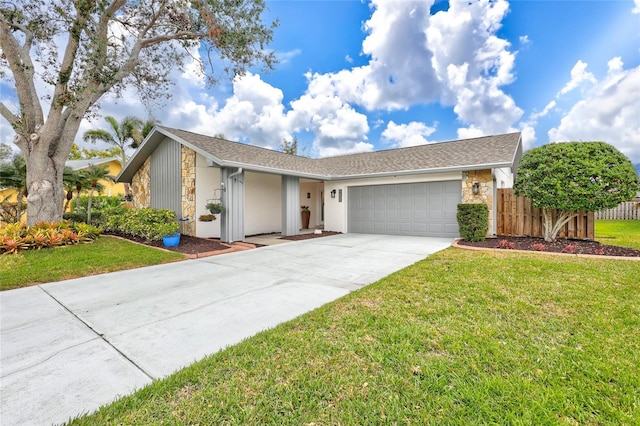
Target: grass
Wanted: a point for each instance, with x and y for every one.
(625, 233)
(460, 338)
(106, 254)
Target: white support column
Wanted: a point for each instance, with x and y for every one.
(290, 205)
(232, 219)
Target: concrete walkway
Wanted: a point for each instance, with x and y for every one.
(69, 347)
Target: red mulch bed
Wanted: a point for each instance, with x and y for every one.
(188, 245)
(195, 245)
(559, 246)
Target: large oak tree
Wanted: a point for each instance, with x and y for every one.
(62, 56)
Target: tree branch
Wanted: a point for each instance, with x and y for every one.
(23, 72)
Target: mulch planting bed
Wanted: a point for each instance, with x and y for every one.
(309, 236)
(194, 245)
(559, 246)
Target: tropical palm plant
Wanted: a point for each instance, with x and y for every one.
(140, 133)
(14, 175)
(92, 176)
(72, 180)
(122, 134)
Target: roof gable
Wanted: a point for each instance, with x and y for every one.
(468, 154)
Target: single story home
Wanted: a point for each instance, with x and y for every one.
(404, 191)
(113, 166)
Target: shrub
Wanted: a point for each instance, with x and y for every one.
(149, 224)
(538, 247)
(17, 237)
(473, 221)
(569, 248)
(506, 244)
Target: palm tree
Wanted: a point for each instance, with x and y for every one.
(93, 175)
(72, 180)
(14, 175)
(123, 134)
(140, 134)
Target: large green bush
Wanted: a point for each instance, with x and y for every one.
(149, 224)
(473, 221)
(572, 176)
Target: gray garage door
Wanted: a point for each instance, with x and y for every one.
(423, 209)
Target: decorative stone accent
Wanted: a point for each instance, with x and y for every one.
(188, 190)
(484, 178)
(141, 186)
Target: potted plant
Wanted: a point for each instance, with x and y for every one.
(306, 215)
(170, 234)
(215, 208)
(207, 217)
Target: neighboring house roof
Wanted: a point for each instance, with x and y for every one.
(83, 164)
(468, 154)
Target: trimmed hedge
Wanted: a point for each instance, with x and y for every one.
(473, 221)
(150, 224)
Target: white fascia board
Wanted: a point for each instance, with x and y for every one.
(272, 170)
(422, 171)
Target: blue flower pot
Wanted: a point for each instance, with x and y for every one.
(171, 240)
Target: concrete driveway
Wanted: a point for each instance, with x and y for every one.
(69, 347)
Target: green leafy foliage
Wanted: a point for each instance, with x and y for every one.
(576, 176)
(473, 221)
(149, 224)
(17, 237)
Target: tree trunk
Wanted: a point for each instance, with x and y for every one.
(551, 229)
(46, 153)
(89, 203)
(19, 198)
(46, 194)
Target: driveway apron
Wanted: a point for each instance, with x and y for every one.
(66, 348)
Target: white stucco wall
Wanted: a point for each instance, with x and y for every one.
(207, 179)
(262, 202)
(336, 211)
(314, 189)
(504, 178)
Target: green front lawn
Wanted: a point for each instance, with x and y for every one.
(106, 254)
(625, 233)
(462, 337)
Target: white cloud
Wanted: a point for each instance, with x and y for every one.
(348, 59)
(636, 8)
(607, 112)
(579, 77)
(403, 135)
(285, 57)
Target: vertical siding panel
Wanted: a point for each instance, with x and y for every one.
(166, 177)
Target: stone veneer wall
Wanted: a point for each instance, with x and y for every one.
(485, 194)
(188, 190)
(141, 186)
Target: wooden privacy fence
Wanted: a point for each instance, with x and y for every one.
(627, 210)
(517, 218)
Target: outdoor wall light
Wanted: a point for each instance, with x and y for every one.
(475, 188)
(333, 193)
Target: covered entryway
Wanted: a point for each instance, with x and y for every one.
(426, 209)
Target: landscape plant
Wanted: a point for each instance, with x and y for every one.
(18, 237)
(147, 223)
(61, 58)
(473, 221)
(573, 176)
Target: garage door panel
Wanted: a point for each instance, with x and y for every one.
(424, 209)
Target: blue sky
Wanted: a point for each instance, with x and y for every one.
(368, 75)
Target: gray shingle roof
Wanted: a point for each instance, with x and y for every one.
(483, 152)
